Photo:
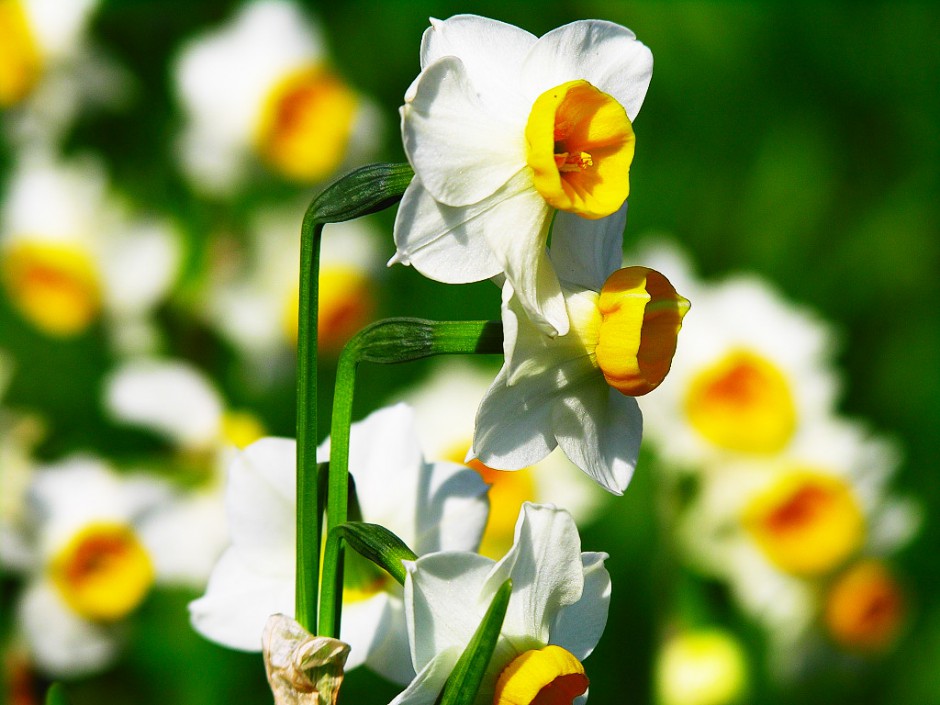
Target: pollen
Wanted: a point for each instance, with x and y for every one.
(579, 146)
(806, 523)
(641, 315)
(104, 572)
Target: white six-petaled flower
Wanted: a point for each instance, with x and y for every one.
(503, 129)
(556, 614)
(430, 506)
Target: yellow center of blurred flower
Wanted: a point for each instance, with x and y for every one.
(20, 60)
(806, 522)
(548, 676)
(345, 305)
(508, 490)
(579, 145)
(104, 572)
(864, 607)
(742, 403)
(701, 668)
(362, 579)
(241, 428)
(306, 123)
(56, 286)
(641, 317)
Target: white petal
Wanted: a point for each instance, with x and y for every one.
(172, 398)
(545, 566)
(442, 602)
(605, 54)
(491, 51)
(440, 241)
(517, 232)
(62, 644)
(579, 627)
(261, 505)
(600, 430)
(238, 602)
(427, 685)
(140, 266)
(461, 151)
(586, 252)
(376, 629)
(452, 509)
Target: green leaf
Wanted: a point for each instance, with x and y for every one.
(366, 190)
(56, 695)
(380, 546)
(464, 681)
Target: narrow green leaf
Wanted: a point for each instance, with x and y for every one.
(366, 190)
(56, 695)
(464, 681)
(380, 546)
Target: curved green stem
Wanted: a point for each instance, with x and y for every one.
(389, 341)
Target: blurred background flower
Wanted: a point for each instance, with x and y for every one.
(155, 165)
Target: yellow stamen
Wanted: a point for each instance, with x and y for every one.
(641, 317)
(508, 490)
(241, 428)
(579, 145)
(20, 60)
(345, 305)
(56, 286)
(104, 572)
(865, 607)
(806, 523)
(548, 676)
(306, 123)
(742, 403)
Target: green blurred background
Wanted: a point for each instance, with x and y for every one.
(797, 141)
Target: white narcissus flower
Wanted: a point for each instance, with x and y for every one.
(95, 554)
(556, 614)
(753, 372)
(576, 390)
(430, 506)
(260, 87)
(503, 129)
(252, 298)
(72, 253)
(445, 405)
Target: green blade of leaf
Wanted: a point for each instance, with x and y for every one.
(464, 681)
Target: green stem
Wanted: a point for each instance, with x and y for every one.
(308, 518)
(389, 341)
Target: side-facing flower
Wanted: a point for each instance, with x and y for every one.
(577, 390)
(445, 405)
(95, 554)
(556, 614)
(503, 129)
(72, 253)
(260, 86)
(430, 506)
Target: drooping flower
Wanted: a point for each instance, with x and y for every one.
(754, 372)
(445, 404)
(430, 506)
(254, 305)
(503, 129)
(96, 551)
(577, 390)
(260, 89)
(72, 253)
(556, 613)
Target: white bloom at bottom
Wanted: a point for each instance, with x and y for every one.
(557, 612)
(430, 506)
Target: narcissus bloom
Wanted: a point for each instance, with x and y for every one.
(261, 87)
(503, 129)
(97, 548)
(445, 405)
(577, 390)
(865, 607)
(556, 614)
(431, 506)
(72, 253)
